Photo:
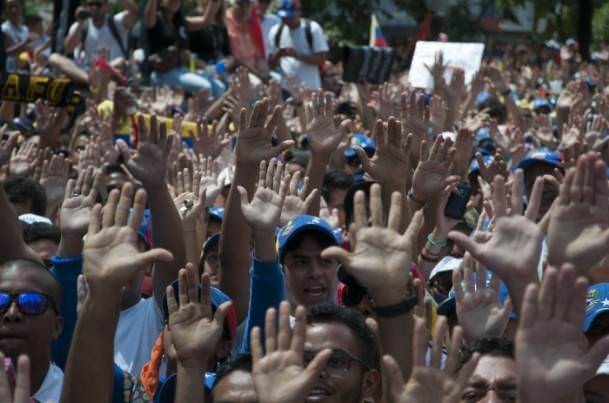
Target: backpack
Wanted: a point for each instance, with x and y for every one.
(113, 31)
(308, 34)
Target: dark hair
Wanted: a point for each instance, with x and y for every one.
(323, 239)
(350, 196)
(56, 289)
(240, 362)
(356, 322)
(335, 180)
(20, 189)
(492, 346)
(40, 230)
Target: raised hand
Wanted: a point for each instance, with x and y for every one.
(54, 177)
(195, 329)
(578, 231)
(279, 372)
(497, 166)
(478, 308)
(263, 212)
(210, 143)
(51, 121)
(431, 173)
(391, 160)
(430, 383)
(512, 252)
(464, 149)
(323, 133)
(296, 201)
(111, 255)
(7, 146)
(23, 160)
(79, 198)
(381, 254)
(554, 369)
(22, 388)
(254, 140)
(149, 164)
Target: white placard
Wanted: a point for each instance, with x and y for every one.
(467, 56)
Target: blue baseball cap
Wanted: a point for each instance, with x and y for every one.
(449, 305)
(363, 141)
(304, 223)
(474, 168)
(597, 302)
(287, 9)
(542, 103)
(482, 98)
(217, 213)
(211, 242)
(542, 155)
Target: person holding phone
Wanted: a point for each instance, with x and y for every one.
(298, 46)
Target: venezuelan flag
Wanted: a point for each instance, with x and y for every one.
(377, 39)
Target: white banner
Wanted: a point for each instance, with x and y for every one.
(467, 56)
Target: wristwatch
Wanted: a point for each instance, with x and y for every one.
(395, 310)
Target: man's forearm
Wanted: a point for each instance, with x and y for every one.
(317, 59)
(189, 388)
(316, 171)
(92, 343)
(235, 242)
(166, 234)
(264, 246)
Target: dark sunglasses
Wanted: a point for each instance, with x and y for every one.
(28, 302)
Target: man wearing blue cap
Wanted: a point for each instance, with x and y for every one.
(297, 46)
(538, 163)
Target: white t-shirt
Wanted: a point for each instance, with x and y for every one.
(16, 35)
(295, 69)
(102, 38)
(268, 22)
(50, 390)
(137, 331)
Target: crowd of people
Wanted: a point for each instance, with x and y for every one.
(225, 220)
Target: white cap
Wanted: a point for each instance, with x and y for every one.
(604, 368)
(448, 263)
(225, 178)
(33, 219)
(449, 135)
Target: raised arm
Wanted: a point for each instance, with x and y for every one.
(324, 137)
(195, 332)
(150, 14)
(253, 146)
(111, 260)
(267, 287)
(11, 236)
(131, 12)
(382, 255)
(149, 167)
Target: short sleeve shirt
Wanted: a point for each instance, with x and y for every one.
(294, 69)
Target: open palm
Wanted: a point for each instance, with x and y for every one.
(381, 254)
(323, 134)
(110, 252)
(578, 232)
(264, 211)
(195, 330)
(433, 169)
(279, 373)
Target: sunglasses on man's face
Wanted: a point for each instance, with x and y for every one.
(30, 303)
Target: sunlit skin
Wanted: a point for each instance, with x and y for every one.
(493, 381)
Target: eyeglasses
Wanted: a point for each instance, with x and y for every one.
(338, 363)
(28, 302)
